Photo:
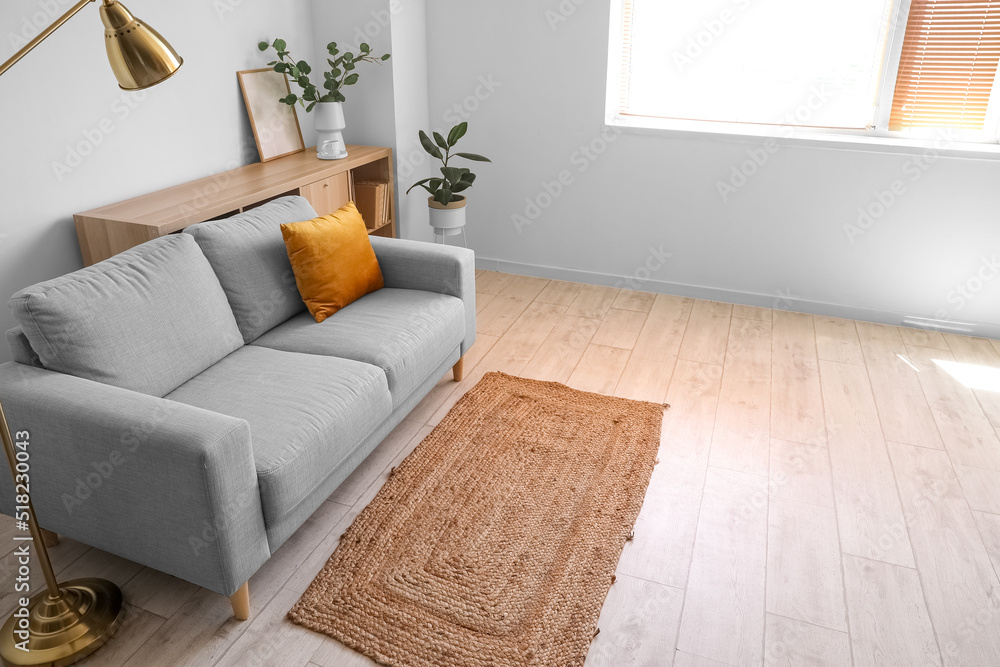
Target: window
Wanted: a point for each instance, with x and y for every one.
(887, 68)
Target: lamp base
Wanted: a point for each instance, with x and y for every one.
(67, 629)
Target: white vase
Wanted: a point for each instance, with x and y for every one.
(329, 122)
(447, 220)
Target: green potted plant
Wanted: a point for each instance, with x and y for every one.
(447, 206)
(326, 100)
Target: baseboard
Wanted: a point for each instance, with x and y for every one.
(980, 329)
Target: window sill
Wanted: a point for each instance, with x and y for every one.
(806, 137)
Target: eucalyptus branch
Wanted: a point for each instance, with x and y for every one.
(337, 77)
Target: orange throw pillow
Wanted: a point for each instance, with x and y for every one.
(332, 260)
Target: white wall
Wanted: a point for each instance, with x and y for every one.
(530, 78)
(62, 101)
(389, 103)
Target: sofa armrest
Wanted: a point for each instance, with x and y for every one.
(433, 268)
(161, 483)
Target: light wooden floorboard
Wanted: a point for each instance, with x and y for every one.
(632, 300)
(158, 593)
(800, 473)
(599, 369)
(819, 519)
(723, 616)
(989, 530)
(791, 643)
(638, 624)
(561, 351)
(957, 576)
(507, 306)
(493, 282)
(796, 400)
(980, 487)
(868, 511)
(667, 524)
(903, 411)
(482, 300)
(620, 328)
(661, 336)
(888, 618)
(682, 659)
(742, 424)
(837, 340)
(136, 629)
(803, 564)
(965, 430)
(978, 352)
(559, 293)
(922, 338)
(271, 639)
(752, 313)
(707, 332)
(645, 380)
(593, 301)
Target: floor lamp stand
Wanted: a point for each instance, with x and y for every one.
(63, 624)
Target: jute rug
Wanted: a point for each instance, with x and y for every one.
(495, 542)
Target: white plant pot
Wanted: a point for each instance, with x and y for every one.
(329, 123)
(447, 220)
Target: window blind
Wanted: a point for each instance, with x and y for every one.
(948, 64)
(628, 10)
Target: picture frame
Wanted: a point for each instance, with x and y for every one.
(275, 124)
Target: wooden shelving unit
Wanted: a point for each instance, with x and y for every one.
(327, 184)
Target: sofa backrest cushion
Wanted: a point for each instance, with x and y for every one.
(20, 348)
(249, 257)
(148, 319)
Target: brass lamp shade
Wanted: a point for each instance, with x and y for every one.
(139, 56)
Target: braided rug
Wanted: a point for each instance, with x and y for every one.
(495, 542)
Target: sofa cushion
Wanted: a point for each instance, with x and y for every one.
(406, 333)
(306, 413)
(148, 319)
(249, 257)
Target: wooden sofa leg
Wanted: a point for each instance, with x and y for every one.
(51, 539)
(458, 371)
(241, 602)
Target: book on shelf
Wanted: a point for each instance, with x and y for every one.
(372, 200)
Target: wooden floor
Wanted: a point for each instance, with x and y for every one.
(826, 493)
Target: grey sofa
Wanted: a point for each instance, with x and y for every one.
(187, 413)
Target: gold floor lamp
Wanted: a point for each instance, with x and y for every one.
(68, 622)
